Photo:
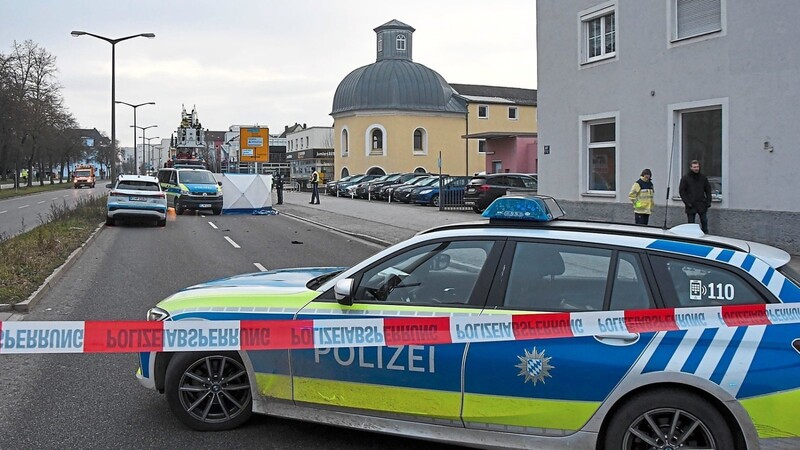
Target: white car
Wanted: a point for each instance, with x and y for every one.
(136, 196)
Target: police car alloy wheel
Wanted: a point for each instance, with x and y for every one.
(209, 391)
(668, 419)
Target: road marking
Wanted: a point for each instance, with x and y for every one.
(23, 206)
(65, 196)
(3, 212)
(39, 203)
(54, 198)
(260, 267)
(213, 226)
(234, 244)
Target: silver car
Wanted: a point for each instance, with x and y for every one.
(136, 197)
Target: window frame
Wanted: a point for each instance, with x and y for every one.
(486, 111)
(482, 145)
(672, 25)
(585, 17)
(423, 150)
(344, 142)
(515, 113)
(368, 140)
(585, 167)
(401, 44)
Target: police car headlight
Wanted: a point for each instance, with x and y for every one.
(157, 314)
(184, 192)
(425, 191)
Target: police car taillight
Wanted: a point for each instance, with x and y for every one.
(535, 208)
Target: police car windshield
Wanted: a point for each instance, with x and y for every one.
(198, 177)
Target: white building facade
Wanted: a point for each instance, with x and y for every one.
(309, 148)
(625, 85)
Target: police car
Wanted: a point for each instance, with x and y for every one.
(691, 385)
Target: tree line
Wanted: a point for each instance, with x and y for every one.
(38, 134)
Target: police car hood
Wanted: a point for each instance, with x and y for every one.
(201, 187)
(284, 287)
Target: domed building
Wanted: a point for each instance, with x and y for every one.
(396, 115)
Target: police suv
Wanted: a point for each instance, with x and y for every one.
(605, 368)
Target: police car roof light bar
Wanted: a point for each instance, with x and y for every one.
(533, 208)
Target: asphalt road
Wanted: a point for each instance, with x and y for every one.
(94, 401)
(21, 214)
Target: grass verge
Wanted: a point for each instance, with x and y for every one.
(24, 190)
(29, 258)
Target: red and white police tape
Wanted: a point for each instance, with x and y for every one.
(192, 335)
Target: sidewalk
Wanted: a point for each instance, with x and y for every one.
(375, 221)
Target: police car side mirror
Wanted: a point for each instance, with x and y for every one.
(343, 291)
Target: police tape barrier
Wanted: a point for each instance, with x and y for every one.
(191, 335)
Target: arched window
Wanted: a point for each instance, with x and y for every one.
(401, 42)
(377, 141)
(345, 142)
(345, 172)
(420, 141)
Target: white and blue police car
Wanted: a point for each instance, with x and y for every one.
(596, 383)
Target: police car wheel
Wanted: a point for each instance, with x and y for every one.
(668, 419)
(178, 208)
(209, 391)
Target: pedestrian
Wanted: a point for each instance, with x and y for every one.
(279, 187)
(641, 196)
(695, 192)
(314, 186)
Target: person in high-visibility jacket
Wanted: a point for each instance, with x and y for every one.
(641, 196)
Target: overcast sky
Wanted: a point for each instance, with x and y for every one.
(271, 63)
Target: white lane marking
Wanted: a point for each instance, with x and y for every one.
(3, 212)
(23, 206)
(260, 267)
(65, 196)
(213, 226)
(39, 203)
(54, 198)
(234, 244)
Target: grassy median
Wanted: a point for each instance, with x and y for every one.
(8, 192)
(29, 258)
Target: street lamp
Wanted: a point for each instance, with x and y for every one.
(150, 149)
(135, 157)
(113, 43)
(144, 136)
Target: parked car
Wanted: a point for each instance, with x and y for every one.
(344, 185)
(136, 197)
(403, 193)
(375, 188)
(362, 189)
(332, 186)
(387, 190)
(482, 190)
(452, 193)
(502, 334)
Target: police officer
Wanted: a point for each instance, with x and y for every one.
(279, 187)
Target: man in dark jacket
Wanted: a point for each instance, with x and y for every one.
(695, 192)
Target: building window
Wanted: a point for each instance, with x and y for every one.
(481, 145)
(420, 141)
(599, 34)
(497, 166)
(602, 156)
(401, 42)
(307, 142)
(483, 111)
(345, 172)
(375, 141)
(345, 143)
(380, 43)
(696, 17)
(512, 113)
(701, 140)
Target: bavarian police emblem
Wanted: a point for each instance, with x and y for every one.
(534, 366)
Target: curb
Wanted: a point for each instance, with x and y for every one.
(365, 237)
(25, 306)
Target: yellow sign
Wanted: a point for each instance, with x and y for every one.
(254, 144)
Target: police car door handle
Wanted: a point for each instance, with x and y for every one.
(618, 338)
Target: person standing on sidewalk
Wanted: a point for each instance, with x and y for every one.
(641, 195)
(314, 186)
(695, 192)
(279, 187)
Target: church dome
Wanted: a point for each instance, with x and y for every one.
(394, 81)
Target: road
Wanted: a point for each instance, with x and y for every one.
(94, 400)
(21, 214)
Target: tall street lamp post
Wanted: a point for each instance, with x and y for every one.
(113, 43)
(135, 156)
(144, 137)
(150, 150)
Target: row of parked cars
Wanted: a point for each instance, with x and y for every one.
(431, 189)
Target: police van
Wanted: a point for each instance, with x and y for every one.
(191, 189)
(523, 331)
